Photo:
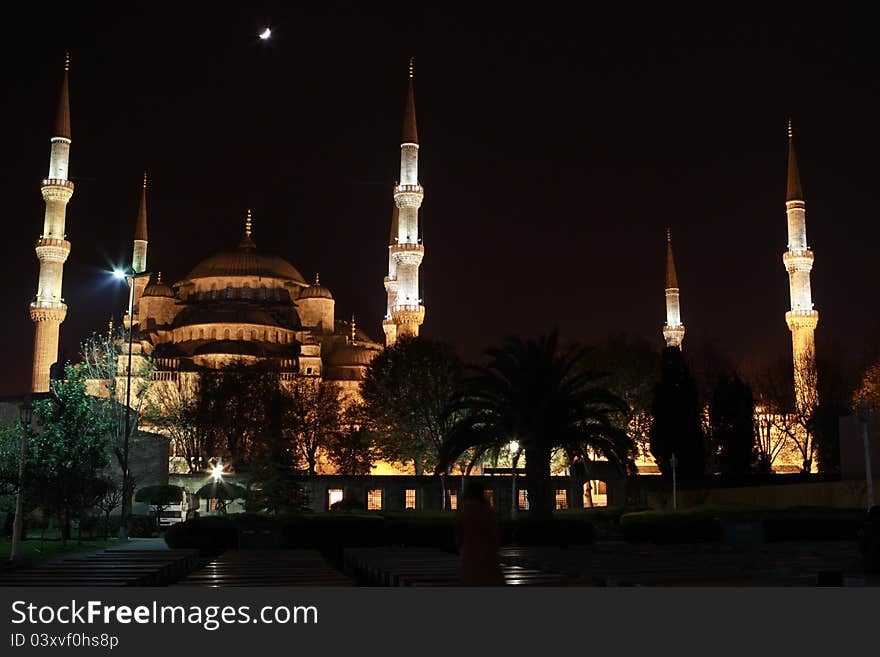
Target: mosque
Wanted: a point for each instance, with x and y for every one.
(247, 304)
(242, 304)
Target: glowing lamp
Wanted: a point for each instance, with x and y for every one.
(217, 472)
(265, 34)
(118, 273)
(514, 446)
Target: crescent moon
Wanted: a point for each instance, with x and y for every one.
(265, 34)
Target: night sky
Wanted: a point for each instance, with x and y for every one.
(556, 147)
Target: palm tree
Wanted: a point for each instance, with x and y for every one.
(542, 395)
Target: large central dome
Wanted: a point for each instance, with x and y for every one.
(246, 261)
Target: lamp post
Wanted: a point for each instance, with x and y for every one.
(863, 419)
(673, 461)
(25, 414)
(129, 276)
(514, 457)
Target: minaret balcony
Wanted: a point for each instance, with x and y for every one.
(800, 260)
(57, 182)
(407, 254)
(390, 284)
(48, 311)
(408, 189)
(800, 318)
(52, 250)
(405, 313)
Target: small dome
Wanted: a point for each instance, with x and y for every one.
(315, 291)
(351, 355)
(158, 289)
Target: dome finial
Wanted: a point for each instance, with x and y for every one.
(145, 179)
(67, 61)
(159, 279)
(248, 223)
(317, 279)
(353, 329)
(790, 132)
(110, 326)
(668, 235)
(411, 67)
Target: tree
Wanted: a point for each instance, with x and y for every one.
(786, 422)
(161, 496)
(632, 367)
(273, 473)
(108, 502)
(539, 394)
(407, 390)
(677, 424)
(313, 414)
(104, 365)
(352, 449)
(732, 424)
(68, 453)
(173, 410)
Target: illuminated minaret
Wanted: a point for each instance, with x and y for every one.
(405, 312)
(139, 252)
(798, 260)
(48, 309)
(673, 330)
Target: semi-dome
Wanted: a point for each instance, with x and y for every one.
(351, 355)
(238, 313)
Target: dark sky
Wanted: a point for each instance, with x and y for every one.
(557, 144)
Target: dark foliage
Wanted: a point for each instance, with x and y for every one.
(732, 421)
(676, 427)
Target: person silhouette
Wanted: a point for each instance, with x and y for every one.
(478, 540)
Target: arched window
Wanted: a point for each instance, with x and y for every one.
(213, 334)
(240, 334)
(229, 291)
(246, 291)
(263, 292)
(225, 334)
(201, 334)
(214, 291)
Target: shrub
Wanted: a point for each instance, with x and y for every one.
(210, 535)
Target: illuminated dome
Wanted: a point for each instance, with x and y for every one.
(246, 261)
(315, 291)
(158, 289)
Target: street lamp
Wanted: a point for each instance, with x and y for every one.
(129, 276)
(674, 462)
(513, 446)
(25, 414)
(863, 419)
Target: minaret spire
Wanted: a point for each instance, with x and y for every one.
(139, 251)
(673, 330)
(405, 312)
(48, 309)
(802, 318)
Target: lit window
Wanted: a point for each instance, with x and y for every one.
(489, 496)
(374, 499)
(229, 291)
(453, 500)
(263, 292)
(523, 500)
(561, 498)
(334, 495)
(246, 291)
(410, 501)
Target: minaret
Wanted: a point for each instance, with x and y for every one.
(139, 253)
(48, 309)
(673, 330)
(405, 312)
(798, 260)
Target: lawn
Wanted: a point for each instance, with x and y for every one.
(33, 549)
